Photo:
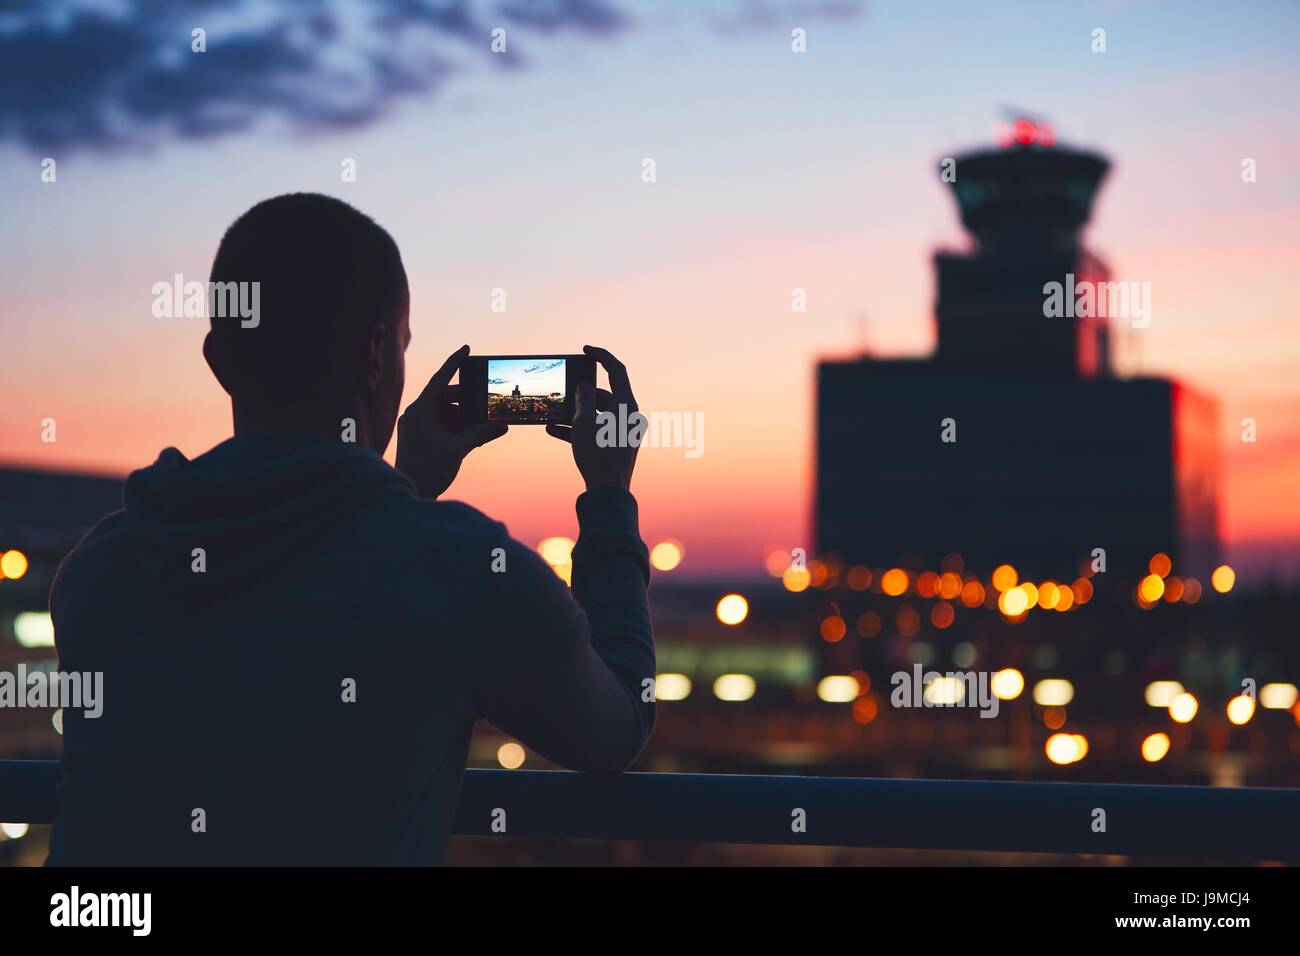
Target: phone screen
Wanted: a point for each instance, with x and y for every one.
(523, 389)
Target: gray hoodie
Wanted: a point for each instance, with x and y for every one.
(295, 649)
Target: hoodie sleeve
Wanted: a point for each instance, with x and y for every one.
(573, 679)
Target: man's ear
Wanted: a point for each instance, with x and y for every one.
(376, 353)
(216, 352)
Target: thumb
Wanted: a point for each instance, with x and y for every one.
(482, 433)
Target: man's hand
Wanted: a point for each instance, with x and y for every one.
(432, 439)
(608, 466)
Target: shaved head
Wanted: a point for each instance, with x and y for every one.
(332, 291)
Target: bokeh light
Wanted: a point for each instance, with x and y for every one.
(1278, 696)
(1066, 748)
(1007, 684)
(865, 708)
(1013, 602)
(510, 755)
(672, 687)
(1082, 589)
(13, 565)
(556, 550)
(945, 691)
(1005, 577)
(1053, 692)
(34, 629)
(869, 624)
(777, 563)
(1240, 709)
(1154, 747)
(942, 615)
(1160, 693)
(838, 688)
(1064, 598)
(1223, 579)
(894, 582)
(732, 609)
(972, 594)
(833, 629)
(1183, 708)
(558, 553)
(796, 579)
(1151, 588)
(734, 687)
(666, 555)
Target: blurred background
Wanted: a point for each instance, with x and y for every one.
(802, 274)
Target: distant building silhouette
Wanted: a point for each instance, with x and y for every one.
(1014, 442)
(47, 512)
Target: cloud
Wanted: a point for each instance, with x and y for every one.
(106, 74)
(543, 366)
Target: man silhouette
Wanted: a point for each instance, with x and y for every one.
(296, 638)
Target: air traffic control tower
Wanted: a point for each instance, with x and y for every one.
(1053, 454)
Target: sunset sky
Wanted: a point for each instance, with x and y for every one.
(774, 171)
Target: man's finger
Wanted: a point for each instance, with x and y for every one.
(482, 433)
(604, 400)
(442, 378)
(617, 372)
(584, 402)
(562, 432)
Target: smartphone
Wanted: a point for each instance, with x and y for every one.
(522, 389)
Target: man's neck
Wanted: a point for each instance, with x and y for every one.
(337, 427)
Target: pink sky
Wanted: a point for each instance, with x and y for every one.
(774, 173)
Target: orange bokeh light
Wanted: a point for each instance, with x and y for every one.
(833, 629)
(869, 624)
(1223, 579)
(942, 615)
(972, 595)
(1005, 577)
(894, 582)
(1151, 588)
(1082, 589)
(865, 709)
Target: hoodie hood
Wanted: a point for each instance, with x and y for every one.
(250, 504)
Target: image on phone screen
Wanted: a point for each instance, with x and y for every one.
(527, 390)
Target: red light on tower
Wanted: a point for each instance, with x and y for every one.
(1024, 132)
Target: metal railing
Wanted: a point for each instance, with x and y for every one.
(1218, 823)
